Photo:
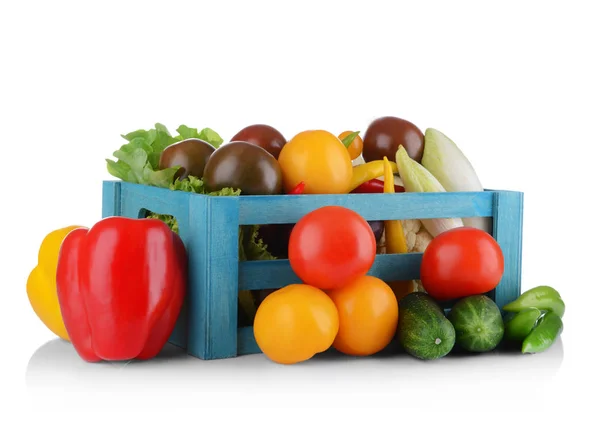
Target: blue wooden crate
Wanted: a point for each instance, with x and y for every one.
(208, 225)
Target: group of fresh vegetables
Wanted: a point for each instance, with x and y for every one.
(89, 290)
(475, 324)
(339, 305)
(394, 156)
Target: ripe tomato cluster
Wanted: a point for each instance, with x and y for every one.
(337, 303)
(331, 250)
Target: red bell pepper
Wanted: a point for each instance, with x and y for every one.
(375, 186)
(120, 287)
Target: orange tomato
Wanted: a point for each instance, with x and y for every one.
(368, 316)
(320, 160)
(294, 323)
(356, 146)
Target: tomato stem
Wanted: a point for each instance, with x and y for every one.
(349, 138)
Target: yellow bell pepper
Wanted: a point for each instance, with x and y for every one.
(41, 284)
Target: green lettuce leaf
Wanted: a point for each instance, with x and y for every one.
(206, 134)
(137, 160)
(168, 219)
(188, 184)
(251, 246)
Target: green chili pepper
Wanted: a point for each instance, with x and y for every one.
(518, 325)
(543, 297)
(543, 335)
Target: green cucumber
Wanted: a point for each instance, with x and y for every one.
(478, 323)
(423, 329)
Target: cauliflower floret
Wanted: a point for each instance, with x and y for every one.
(411, 225)
(417, 237)
(411, 238)
(422, 240)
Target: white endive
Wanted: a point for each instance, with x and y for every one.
(417, 179)
(447, 163)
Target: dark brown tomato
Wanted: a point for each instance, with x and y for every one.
(264, 136)
(243, 166)
(377, 226)
(386, 134)
(191, 155)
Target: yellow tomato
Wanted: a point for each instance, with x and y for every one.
(294, 323)
(320, 160)
(356, 146)
(368, 316)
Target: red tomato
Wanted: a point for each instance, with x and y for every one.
(461, 262)
(331, 246)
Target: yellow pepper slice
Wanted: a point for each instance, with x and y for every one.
(41, 283)
(370, 170)
(395, 241)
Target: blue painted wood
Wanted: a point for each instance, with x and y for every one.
(508, 232)
(208, 226)
(135, 197)
(246, 342)
(111, 198)
(388, 267)
(213, 297)
(397, 206)
(180, 210)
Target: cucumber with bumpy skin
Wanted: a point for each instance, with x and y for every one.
(423, 329)
(478, 323)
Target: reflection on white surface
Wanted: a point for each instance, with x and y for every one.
(57, 365)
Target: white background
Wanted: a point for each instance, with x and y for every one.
(514, 84)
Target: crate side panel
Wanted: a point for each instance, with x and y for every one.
(111, 198)
(180, 332)
(246, 342)
(135, 197)
(196, 232)
(259, 275)
(212, 328)
(399, 206)
(397, 267)
(508, 232)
